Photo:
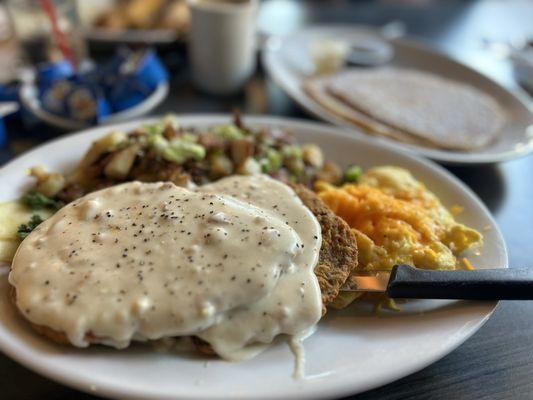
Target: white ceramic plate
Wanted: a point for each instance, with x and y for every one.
(352, 351)
(288, 61)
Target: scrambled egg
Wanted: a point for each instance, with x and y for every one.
(398, 221)
(12, 214)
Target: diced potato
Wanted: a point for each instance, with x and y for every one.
(220, 165)
(121, 162)
(294, 165)
(312, 155)
(241, 149)
(103, 145)
(169, 132)
(182, 180)
(48, 183)
(249, 167)
(39, 172)
(330, 173)
(211, 141)
(52, 185)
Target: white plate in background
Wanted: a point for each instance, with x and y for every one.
(352, 351)
(288, 62)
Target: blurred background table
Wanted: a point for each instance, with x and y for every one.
(497, 362)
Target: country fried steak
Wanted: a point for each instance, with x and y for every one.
(338, 254)
(337, 258)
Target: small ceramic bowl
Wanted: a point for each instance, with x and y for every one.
(30, 101)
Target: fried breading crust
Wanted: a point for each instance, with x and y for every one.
(338, 254)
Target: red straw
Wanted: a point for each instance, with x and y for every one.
(49, 8)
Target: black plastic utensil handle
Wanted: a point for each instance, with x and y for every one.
(480, 284)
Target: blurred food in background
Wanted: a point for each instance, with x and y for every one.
(145, 14)
(127, 85)
(411, 106)
(166, 151)
(402, 90)
(149, 21)
(47, 30)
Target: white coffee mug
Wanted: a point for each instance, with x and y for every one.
(222, 43)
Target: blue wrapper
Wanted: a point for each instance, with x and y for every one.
(76, 99)
(6, 109)
(10, 92)
(138, 77)
(150, 70)
(3, 132)
(48, 73)
(85, 104)
(128, 93)
(107, 74)
(53, 97)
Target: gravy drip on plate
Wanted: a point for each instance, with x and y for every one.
(232, 263)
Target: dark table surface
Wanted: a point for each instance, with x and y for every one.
(497, 362)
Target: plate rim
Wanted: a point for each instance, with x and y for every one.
(80, 383)
(443, 156)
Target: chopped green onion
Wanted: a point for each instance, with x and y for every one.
(25, 229)
(38, 201)
(179, 151)
(265, 165)
(275, 159)
(353, 173)
(291, 151)
(158, 127)
(229, 132)
(189, 137)
(158, 142)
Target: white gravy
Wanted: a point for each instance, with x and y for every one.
(231, 262)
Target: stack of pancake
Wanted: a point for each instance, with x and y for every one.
(410, 106)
